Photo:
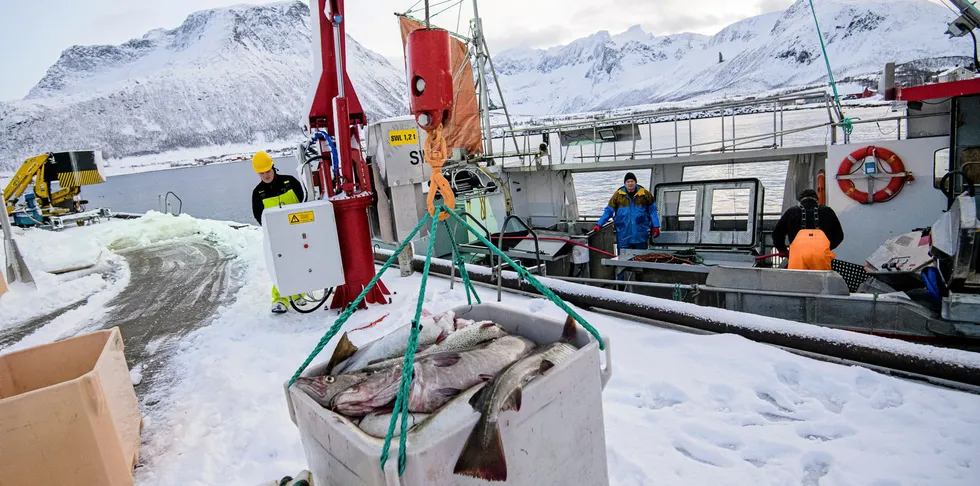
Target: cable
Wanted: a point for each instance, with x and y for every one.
(301, 311)
(957, 14)
(459, 16)
(458, 3)
(976, 62)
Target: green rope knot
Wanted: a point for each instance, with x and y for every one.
(677, 291)
(848, 125)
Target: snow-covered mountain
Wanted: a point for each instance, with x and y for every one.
(229, 75)
(764, 53)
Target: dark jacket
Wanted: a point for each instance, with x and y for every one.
(792, 222)
(275, 193)
(634, 215)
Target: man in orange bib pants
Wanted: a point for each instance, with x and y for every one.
(813, 231)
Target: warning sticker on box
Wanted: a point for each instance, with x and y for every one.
(300, 218)
(403, 137)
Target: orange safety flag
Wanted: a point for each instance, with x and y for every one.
(810, 250)
(463, 130)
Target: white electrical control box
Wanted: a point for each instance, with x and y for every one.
(302, 250)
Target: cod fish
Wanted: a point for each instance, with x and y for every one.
(483, 453)
(440, 377)
(322, 389)
(465, 338)
(376, 423)
(437, 378)
(393, 344)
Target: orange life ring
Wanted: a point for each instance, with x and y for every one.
(895, 165)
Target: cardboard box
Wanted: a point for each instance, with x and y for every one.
(69, 413)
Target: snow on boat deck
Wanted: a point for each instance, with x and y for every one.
(681, 409)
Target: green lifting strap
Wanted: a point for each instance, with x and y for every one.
(401, 400)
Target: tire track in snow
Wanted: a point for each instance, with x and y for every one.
(174, 288)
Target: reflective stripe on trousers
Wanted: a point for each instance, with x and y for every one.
(278, 298)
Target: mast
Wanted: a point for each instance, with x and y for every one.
(481, 61)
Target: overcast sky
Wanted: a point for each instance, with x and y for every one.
(34, 32)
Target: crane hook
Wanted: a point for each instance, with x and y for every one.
(435, 156)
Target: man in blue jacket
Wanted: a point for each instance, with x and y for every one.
(635, 214)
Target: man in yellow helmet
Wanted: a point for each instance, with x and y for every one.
(274, 190)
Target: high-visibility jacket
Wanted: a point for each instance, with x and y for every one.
(283, 190)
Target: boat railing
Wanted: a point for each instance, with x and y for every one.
(165, 203)
(500, 244)
(605, 137)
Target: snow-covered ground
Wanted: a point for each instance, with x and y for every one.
(681, 409)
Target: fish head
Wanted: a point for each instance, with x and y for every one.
(323, 389)
(357, 396)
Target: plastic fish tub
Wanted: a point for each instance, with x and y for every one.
(68, 413)
(556, 438)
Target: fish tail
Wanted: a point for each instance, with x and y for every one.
(483, 454)
(570, 330)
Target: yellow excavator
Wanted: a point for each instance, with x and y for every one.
(70, 170)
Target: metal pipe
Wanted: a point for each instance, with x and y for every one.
(781, 141)
(723, 130)
(482, 73)
(690, 137)
(650, 135)
(633, 134)
(668, 113)
(338, 53)
(651, 308)
(675, 139)
(427, 24)
(725, 290)
(733, 131)
(775, 106)
(500, 92)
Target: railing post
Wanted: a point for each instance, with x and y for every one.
(722, 129)
(633, 134)
(675, 137)
(650, 137)
(733, 130)
(690, 136)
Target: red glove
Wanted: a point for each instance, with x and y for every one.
(596, 228)
(654, 232)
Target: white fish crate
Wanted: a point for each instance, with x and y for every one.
(556, 438)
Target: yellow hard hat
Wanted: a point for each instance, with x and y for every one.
(261, 162)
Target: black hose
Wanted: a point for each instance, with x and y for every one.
(976, 62)
(317, 306)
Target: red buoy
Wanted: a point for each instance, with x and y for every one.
(430, 77)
